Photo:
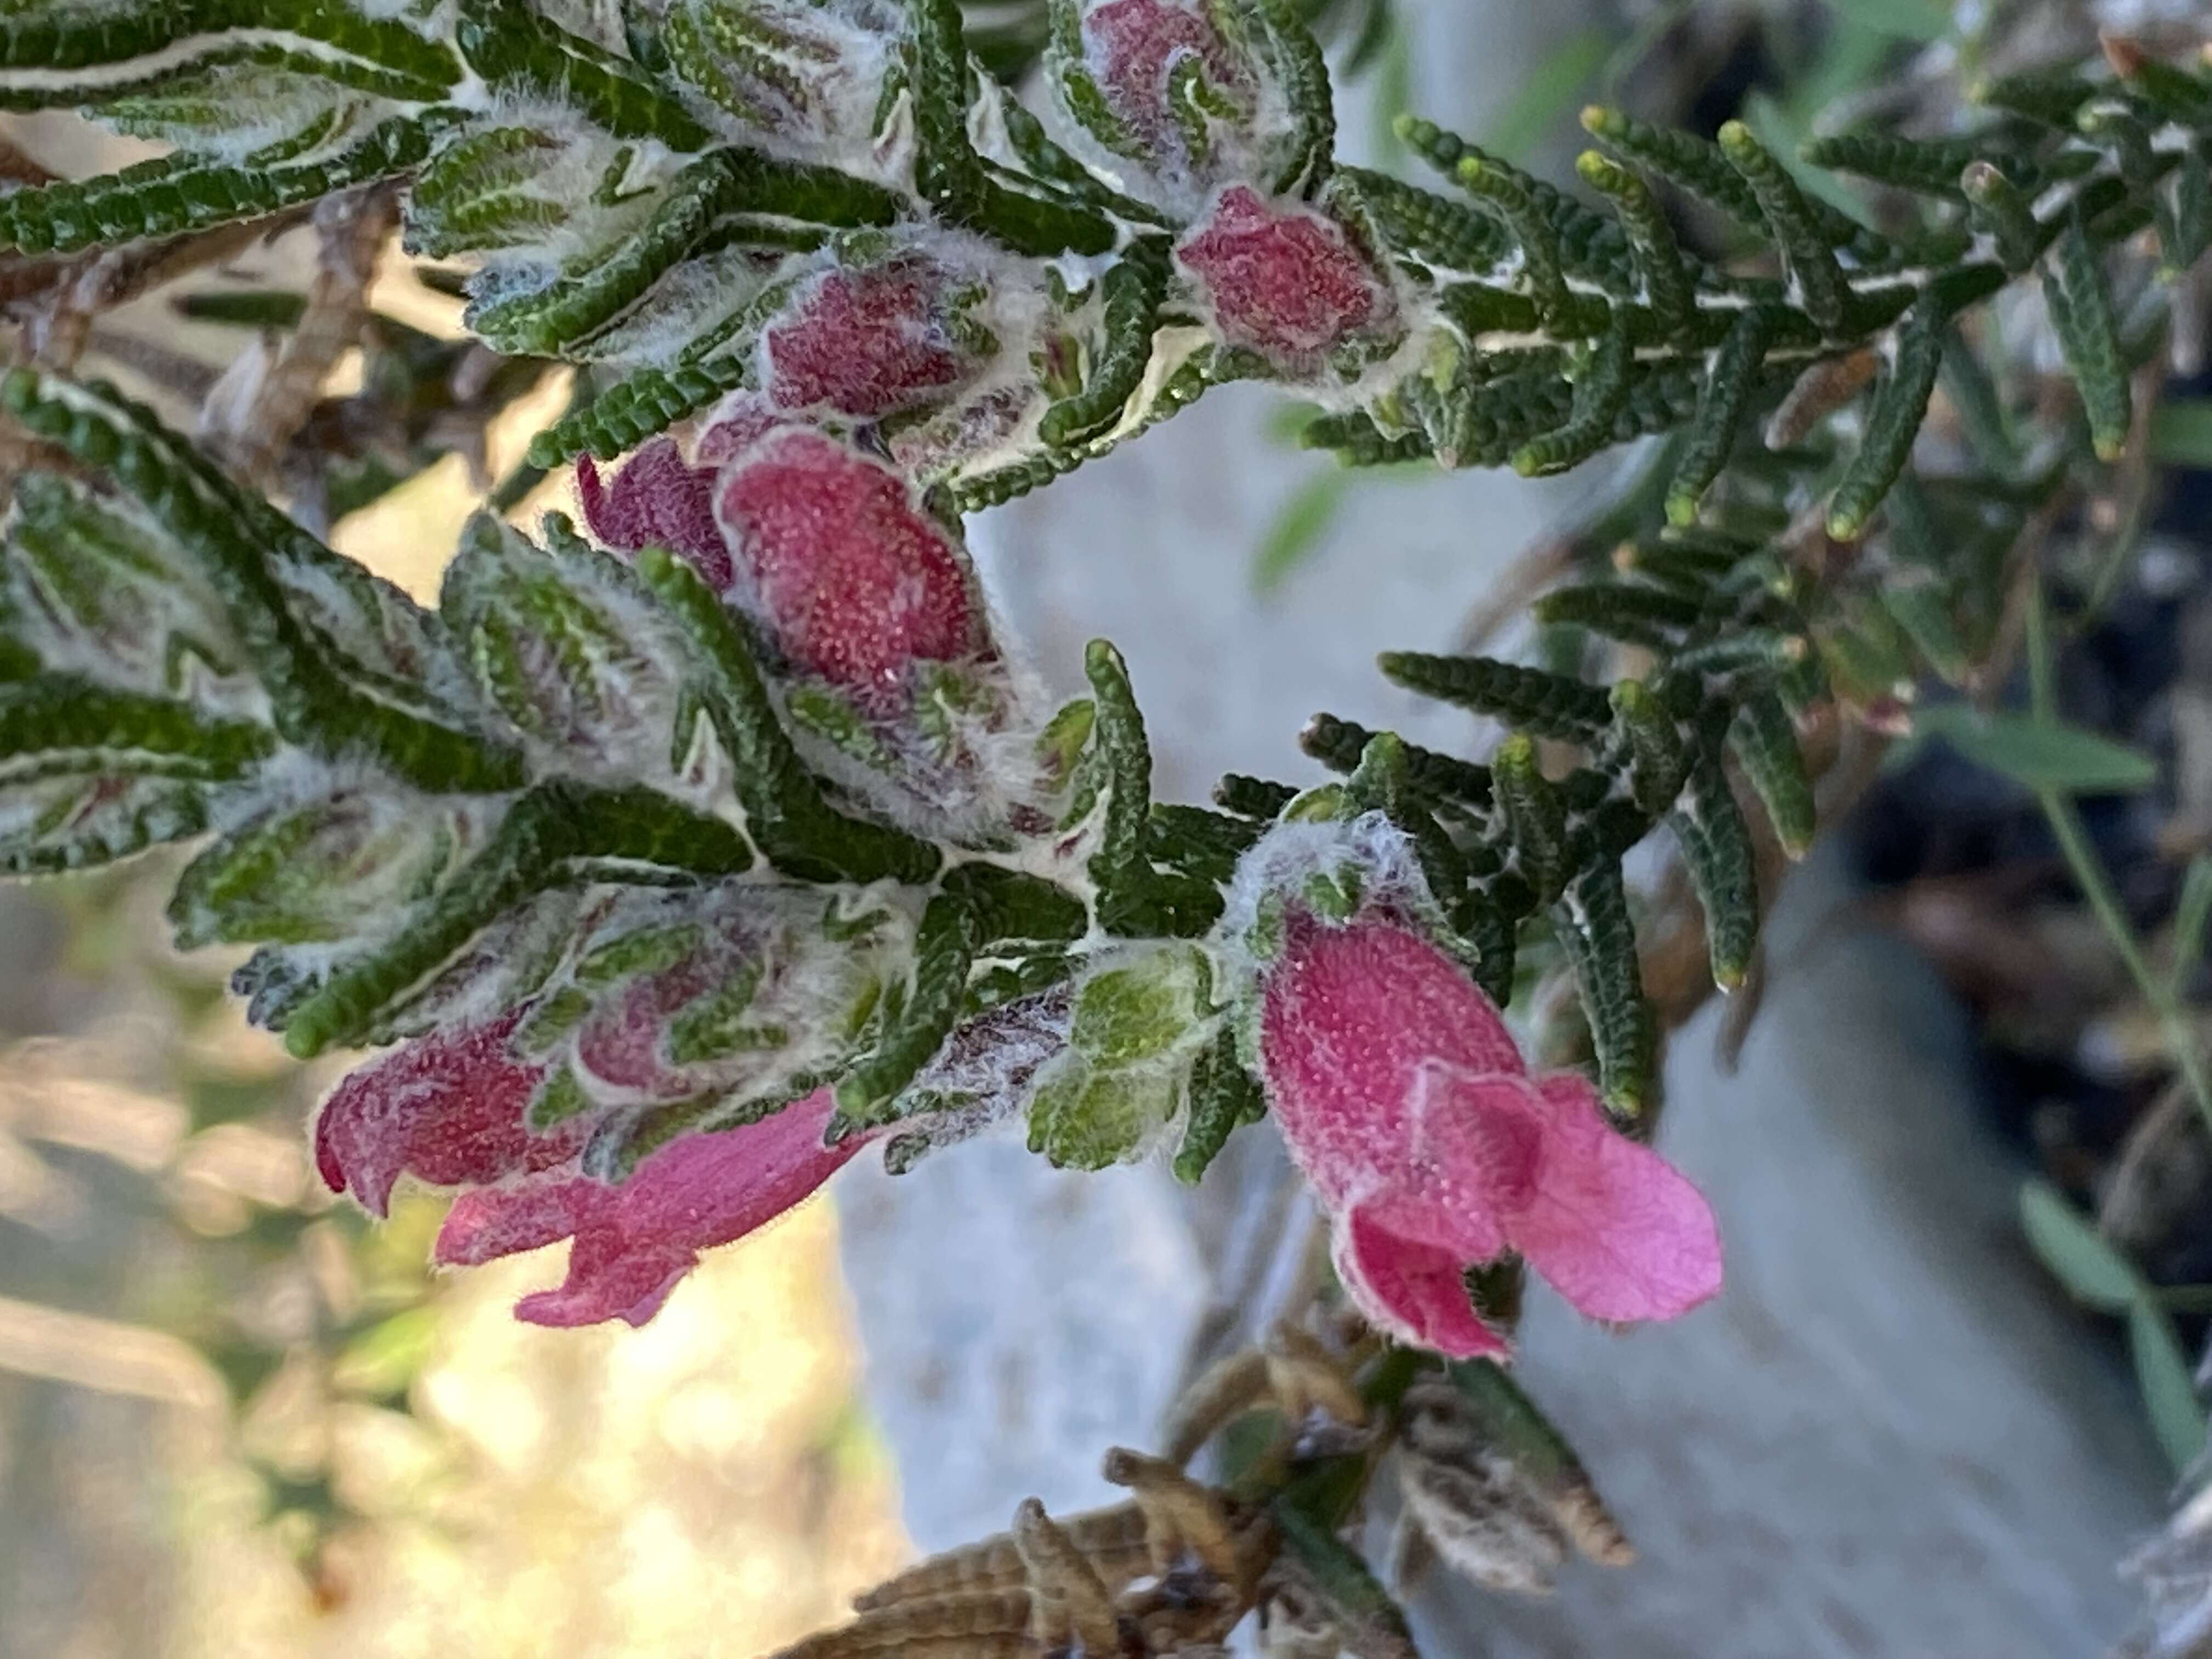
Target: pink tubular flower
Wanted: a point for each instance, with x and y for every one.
(867, 342)
(633, 1242)
(1284, 280)
(447, 1109)
(658, 500)
(1404, 1098)
(852, 580)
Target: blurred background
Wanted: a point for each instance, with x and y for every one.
(236, 1420)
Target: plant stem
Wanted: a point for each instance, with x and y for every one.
(2095, 882)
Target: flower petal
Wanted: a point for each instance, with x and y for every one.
(658, 500)
(1357, 1021)
(867, 342)
(850, 577)
(1617, 1229)
(1409, 1289)
(447, 1109)
(635, 1241)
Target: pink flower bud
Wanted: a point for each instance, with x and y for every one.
(657, 500)
(1285, 281)
(633, 1242)
(868, 342)
(1404, 1098)
(853, 581)
(1133, 49)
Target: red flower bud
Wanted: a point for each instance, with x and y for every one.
(1284, 280)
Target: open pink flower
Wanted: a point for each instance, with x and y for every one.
(635, 1241)
(448, 1110)
(868, 342)
(1404, 1098)
(850, 577)
(657, 500)
(1284, 280)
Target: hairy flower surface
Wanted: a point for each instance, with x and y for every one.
(633, 1242)
(851, 579)
(446, 1109)
(1404, 1098)
(1284, 280)
(450, 1110)
(870, 342)
(657, 499)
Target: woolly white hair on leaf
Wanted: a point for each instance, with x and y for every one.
(982, 1076)
(1283, 865)
(799, 989)
(842, 53)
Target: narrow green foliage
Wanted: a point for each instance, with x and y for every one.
(1223, 1097)
(713, 203)
(1658, 763)
(1592, 921)
(1298, 59)
(2000, 209)
(1648, 616)
(515, 47)
(1926, 167)
(1133, 290)
(1134, 898)
(1721, 402)
(1549, 705)
(1505, 191)
(948, 173)
(1717, 849)
(182, 192)
(2170, 90)
(1765, 740)
(320, 698)
(559, 833)
(1692, 163)
(1536, 816)
(1667, 281)
(2080, 305)
(1894, 420)
(2051, 97)
(2184, 223)
(636, 408)
(1600, 395)
(1446, 234)
(1339, 745)
(56, 726)
(916, 1023)
(1812, 261)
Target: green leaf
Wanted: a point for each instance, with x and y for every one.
(2181, 433)
(2169, 1390)
(2038, 754)
(1299, 528)
(2080, 1257)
